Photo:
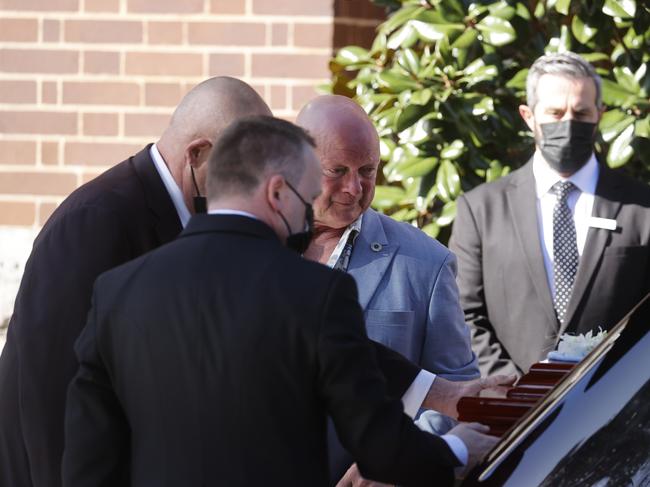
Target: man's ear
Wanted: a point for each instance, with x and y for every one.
(197, 151)
(273, 191)
(527, 114)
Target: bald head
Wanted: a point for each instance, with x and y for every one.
(347, 145)
(196, 124)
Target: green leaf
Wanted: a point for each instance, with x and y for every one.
(453, 150)
(386, 148)
(494, 172)
(421, 97)
(387, 196)
(522, 11)
(594, 57)
(416, 167)
(447, 181)
(583, 32)
(518, 81)
(400, 17)
(614, 124)
(466, 39)
(395, 82)
(626, 79)
(409, 60)
(615, 95)
(624, 9)
(562, 6)
(496, 31)
(642, 127)
(621, 150)
(502, 10)
(434, 32)
(351, 54)
(483, 107)
(447, 214)
(408, 116)
(406, 36)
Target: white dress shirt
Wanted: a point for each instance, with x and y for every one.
(172, 188)
(580, 202)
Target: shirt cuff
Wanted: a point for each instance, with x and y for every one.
(458, 447)
(414, 396)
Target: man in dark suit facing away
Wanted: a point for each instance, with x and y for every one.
(215, 359)
(136, 206)
(560, 245)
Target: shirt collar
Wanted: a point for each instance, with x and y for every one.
(355, 225)
(228, 211)
(172, 188)
(585, 178)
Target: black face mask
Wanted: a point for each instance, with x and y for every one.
(567, 145)
(300, 241)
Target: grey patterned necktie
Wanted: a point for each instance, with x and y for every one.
(565, 248)
(344, 259)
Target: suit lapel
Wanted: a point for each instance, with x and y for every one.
(167, 224)
(523, 206)
(371, 257)
(605, 206)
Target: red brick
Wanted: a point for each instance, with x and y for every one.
(17, 213)
(41, 123)
(38, 61)
(313, 35)
(97, 154)
(164, 64)
(102, 5)
(18, 30)
(358, 9)
(103, 31)
(51, 30)
(101, 93)
(227, 33)
(227, 65)
(165, 6)
(101, 62)
(278, 98)
(49, 92)
(145, 124)
(300, 95)
(50, 153)
(49, 6)
(17, 152)
(290, 65)
(45, 211)
(293, 7)
(359, 35)
(162, 94)
(165, 32)
(279, 34)
(37, 183)
(17, 91)
(228, 6)
(100, 124)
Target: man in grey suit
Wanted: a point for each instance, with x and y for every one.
(560, 245)
(406, 280)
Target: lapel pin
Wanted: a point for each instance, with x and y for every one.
(375, 246)
(604, 223)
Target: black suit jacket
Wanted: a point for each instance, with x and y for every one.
(215, 359)
(121, 214)
(503, 285)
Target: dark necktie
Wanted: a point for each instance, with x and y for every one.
(565, 248)
(344, 259)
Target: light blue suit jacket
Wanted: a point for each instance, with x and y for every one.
(407, 288)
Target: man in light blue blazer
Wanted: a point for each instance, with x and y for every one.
(406, 279)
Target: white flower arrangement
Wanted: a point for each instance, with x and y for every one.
(573, 348)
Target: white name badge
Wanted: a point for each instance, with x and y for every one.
(604, 223)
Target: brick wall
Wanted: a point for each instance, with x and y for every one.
(85, 83)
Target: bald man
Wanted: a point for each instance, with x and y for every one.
(138, 205)
(406, 280)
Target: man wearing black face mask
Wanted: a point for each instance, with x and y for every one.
(560, 245)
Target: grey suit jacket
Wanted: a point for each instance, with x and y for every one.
(503, 284)
(408, 291)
